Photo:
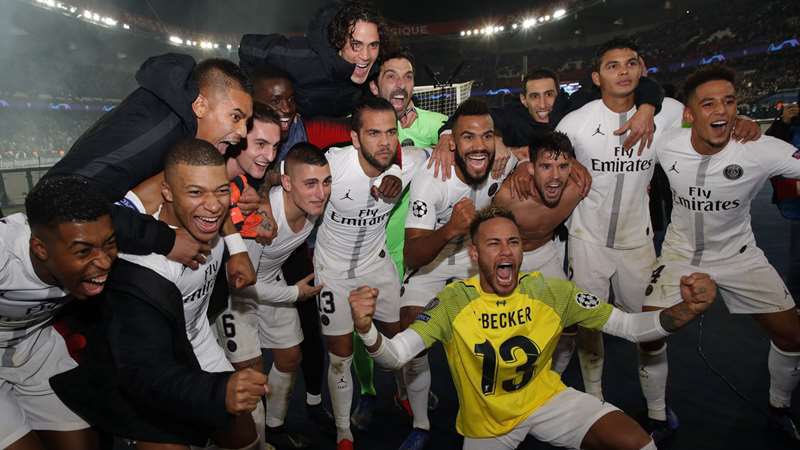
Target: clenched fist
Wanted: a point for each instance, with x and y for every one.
(462, 216)
(698, 291)
(244, 390)
(362, 307)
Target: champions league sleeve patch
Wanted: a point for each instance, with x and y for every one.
(587, 300)
(419, 208)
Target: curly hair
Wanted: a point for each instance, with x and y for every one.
(342, 25)
(65, 199)
(488, 213)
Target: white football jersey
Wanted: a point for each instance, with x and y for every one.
(616, 212)
(27, 304)
(711, 195)
(195, 287)
(270, 286)
(352, 236)
(431, 203)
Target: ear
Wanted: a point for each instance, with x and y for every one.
(473, 252)
(166, 192)
(532, 168)
(688, 117)
(596, 79)
(38, 249)
(354, 138)
(286, 183)
(200, 106)
(373, 87)
(523, 100)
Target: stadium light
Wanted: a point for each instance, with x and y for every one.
(502, 28)
(176, 40)
(547, 17)
(559, 14)
(109, 21)
(126, 26)
(229, 46)
(514, 26)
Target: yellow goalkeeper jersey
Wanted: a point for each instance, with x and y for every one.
(500, 349)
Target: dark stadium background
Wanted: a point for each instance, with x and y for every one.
(59, 73)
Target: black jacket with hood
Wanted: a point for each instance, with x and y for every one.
(127, 145)
(321, 77)
(140, 378)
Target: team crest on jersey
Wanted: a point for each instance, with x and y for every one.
(419, 208)
(587, 300)
(733, 172)
(493, 189)
(432, 304)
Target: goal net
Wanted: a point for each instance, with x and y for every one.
(442, 99)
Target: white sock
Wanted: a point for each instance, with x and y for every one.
(400, 381)
(280, 387)
(417, 374)
(591, 355)
(653, 370)
(313, 400)
(563, 352)
(340, 385)
(650, 446)
(783, 376)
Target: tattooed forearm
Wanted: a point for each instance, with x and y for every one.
(676, 317)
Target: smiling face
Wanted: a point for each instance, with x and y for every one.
(263, 141)
(711, 110)
(376, 140)
(497, 248)
(278, 94)
(361, 48)
(222, 115)
(539, 98)
(550, 175)
(395, 83)
(473, 141)
(78, 255)
(308, 186)
(197, 198)
(619, 72)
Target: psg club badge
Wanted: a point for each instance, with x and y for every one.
(587, 300)
(733, 172)
(493, 189)
(419, 208)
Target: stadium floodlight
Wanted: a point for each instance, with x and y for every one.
(205, 45)
(502, 28)
(126, 26)
(547, 17)
(229, 46)
(559, 13)
(463, 33)
(73, 10)
(514, 26)
(541, 19)
(475, 31)
(176, 40)
(469, 32)
(109, 21)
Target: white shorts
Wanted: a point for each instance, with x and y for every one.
(27, 402)
(547, 259)
(421, 286)
(563, 421)
(748, 284)
(593, 267)
(334, 307)
(247, 327)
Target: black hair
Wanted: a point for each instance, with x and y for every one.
(193, 152)
(261, 113)
(488, 213)
(372, 103)
(471, 107)
(539, 74)
(341, 26)
(269, 72)
(550, 141)
(305, 153)
(613, 44)
(65, 198)
(219, 72)
(704, 75)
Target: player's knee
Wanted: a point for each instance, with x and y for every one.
(290, 360)
(636, 441)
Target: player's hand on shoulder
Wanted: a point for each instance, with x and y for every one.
(268, 228)
(462, 216)
(362, 306)
(306, 288)
(746, 129)
(698, 291)
(443, 157)
(240, 271)
(520, 182)
(187, 250)
(641, 126)
(390, 187)
(502, 155)
(244, 390)
(581, 176)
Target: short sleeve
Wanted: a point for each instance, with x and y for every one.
(423, 201)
